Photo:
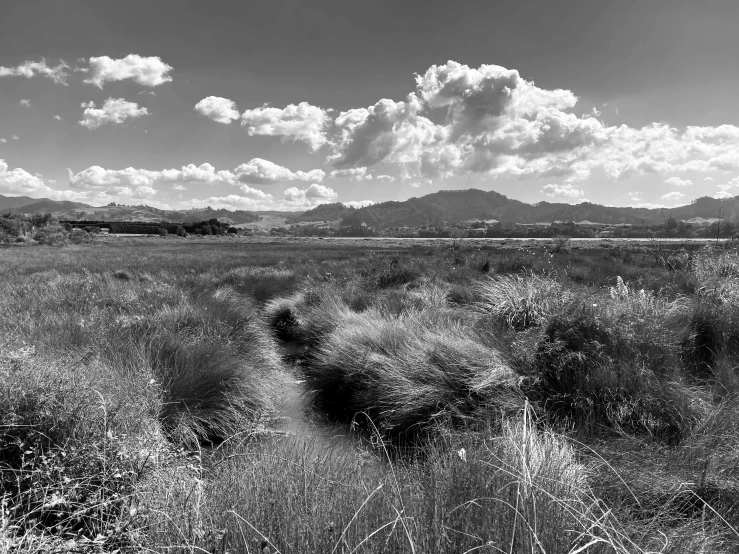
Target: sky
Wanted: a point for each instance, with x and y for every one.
(287, 104)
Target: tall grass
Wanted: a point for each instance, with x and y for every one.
(138, 398)
(409, 372)
(520, 491)
(522, 300)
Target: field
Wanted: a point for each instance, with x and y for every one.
(228, 395)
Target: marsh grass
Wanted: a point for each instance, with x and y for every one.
(410, 371)
(522, 300)
(139, 384)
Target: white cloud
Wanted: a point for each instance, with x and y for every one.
(3, 140)
(218, 109)
(15, 137)
(19, 181)
(255, 171)
(179, 187)
(489, 120)
(312, 196)
(58, 117)
(359, 203)
(352, 173)
(678, 182)
(148, 93)
(301, 122)
(146, 71)
(360, 174)
(731, 184)
(28, 69)
(708, 179)
(674, 195)
(562, 191)
(114, 110)
(261, 172)
(723, 194)
(25, 102)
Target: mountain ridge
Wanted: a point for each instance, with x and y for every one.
(435, 209)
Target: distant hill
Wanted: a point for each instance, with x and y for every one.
(49, 206)
(436, 209)
(461, 205)
(10, 202)
(26, 204)
(323, 212)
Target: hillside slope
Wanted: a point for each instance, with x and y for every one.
(462, 205)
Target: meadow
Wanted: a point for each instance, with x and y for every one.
(451, 397)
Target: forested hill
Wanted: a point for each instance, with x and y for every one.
(324, 212)
(463, 205)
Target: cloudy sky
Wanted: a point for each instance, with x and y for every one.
(285, 104)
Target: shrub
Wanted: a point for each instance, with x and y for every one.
(560, 243)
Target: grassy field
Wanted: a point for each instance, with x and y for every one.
(537, 399)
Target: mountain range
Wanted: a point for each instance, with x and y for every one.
(472, 204)
(433, 209)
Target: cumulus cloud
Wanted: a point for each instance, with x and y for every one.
(723, 194)
(114, 110)
(678, 182)
(359, 203)
(99, 177)
(313, 195)
(3, 140)
(562, 191)
(218, 109)
(19, 181)
(463, 120)
(360, 174)
(146, 71)
(256, 171)
(15, 137)
(263, 172)
(353, 173)
(730, 184)
(301, 122)
(28, 69)
(674, 195)
(25, 102)
(58, 117)
(708, 179)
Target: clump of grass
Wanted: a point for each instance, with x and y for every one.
(384, 271)
(591, 374)
(409, 372)
(522, 300)
(67, 467)
(212, 359)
